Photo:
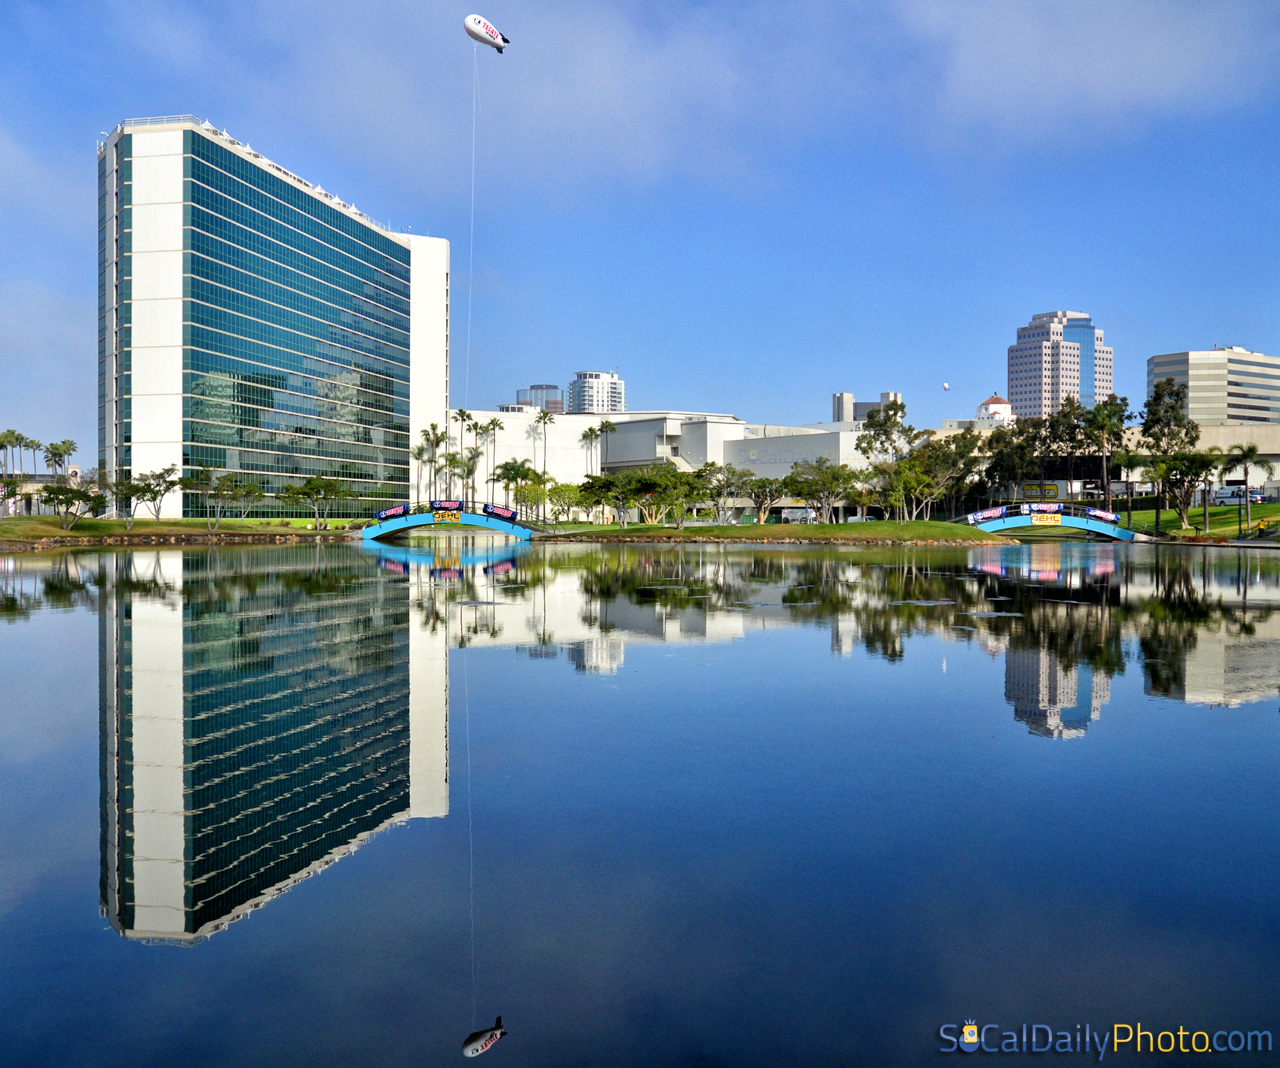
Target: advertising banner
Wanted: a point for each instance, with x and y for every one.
(509, 514)
(447, 517)
(1029, 509)
(391, 513)
(448, 506)
(1040, 519)
(987, 515)
(1098, 513)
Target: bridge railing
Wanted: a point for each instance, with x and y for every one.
(1080, 511)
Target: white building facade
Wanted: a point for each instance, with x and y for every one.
(1224, 384)
(596, 391)
(254, 324)
(1058, 355)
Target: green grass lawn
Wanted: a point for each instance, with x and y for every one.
(842, 532)
(1222, 519)
(28, 528)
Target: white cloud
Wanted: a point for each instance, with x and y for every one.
(1024, 67)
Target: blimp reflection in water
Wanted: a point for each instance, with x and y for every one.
(482, 30)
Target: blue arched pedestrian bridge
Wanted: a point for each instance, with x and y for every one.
(1044, 518)
(446, 514)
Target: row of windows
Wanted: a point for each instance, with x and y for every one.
(204, 310)
(357, 278)
(371, 388)
(228, 292)
(368, 462)
(371, 302)
(310, 393)
(199, 198)
(263, 207)
(395, 332)
(290, 467)
(282, 189)
(254, 402)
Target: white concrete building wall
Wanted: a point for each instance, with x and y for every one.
(428, 334)
(157, 306)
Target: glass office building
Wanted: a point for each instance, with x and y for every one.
(254, 324)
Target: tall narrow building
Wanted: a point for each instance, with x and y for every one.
(253, 323)
(596, 391)
(1058, 355)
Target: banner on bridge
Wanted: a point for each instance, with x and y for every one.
(986, 515)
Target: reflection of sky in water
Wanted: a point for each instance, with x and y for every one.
(703, 832)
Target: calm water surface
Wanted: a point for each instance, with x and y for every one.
(654, 806)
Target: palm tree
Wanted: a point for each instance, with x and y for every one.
(606, 428)
(463, 418)
(544, 419)
(8, 441)
(36, 448)
(1128, 459)
(1247, 456)
(1218, 461)
(508, 473)
(589, 438)
(418, 454)
(434, 439)
(450, 461)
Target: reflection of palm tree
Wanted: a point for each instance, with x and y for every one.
(590, 438)
(605, 428)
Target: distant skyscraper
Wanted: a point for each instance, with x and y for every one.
(1224, 385)
(596, 391)
(550, 398)
(1058, 355)
(252, 323)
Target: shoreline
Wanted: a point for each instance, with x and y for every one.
(131, 540)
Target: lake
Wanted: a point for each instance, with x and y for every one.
(653, 805)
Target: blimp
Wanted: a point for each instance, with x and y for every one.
(480, 1041)
(482, 30)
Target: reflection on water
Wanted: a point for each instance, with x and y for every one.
(265, 712)
(256, 726)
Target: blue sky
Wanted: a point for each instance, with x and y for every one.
(741, 206)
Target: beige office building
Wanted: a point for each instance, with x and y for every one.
(1226, 384)
(1057, 355)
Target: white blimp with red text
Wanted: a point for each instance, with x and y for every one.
(484, 31)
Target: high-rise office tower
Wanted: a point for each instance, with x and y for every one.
(1058, 355)
(253, 323)
(550, 398)
(1224, 385)
(596, 391)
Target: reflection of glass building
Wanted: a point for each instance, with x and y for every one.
(253, 323)
(255, 727)
(1051, 700)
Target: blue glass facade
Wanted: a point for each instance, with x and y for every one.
(1082, 333)
(295, 330)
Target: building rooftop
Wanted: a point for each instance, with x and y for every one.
(243, 149)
